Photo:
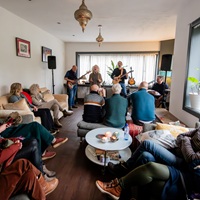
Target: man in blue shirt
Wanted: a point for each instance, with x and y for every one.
(143, 105)
(71, 78)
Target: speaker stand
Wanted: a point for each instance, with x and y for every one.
(53, 81)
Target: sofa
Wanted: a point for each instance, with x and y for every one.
(23, 109)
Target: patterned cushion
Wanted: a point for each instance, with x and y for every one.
(161, 137)
(174, 130)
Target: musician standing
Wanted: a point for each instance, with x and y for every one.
(120, 72)
(71, 78)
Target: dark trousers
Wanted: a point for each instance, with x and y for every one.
(30, 151)
(46, 118)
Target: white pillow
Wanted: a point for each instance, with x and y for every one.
(161, 137)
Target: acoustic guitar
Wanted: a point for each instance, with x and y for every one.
(131, 80)
(71, 85)
(115, 81)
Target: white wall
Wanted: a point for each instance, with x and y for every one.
(27, 70)
(188, 13)
(72, 48)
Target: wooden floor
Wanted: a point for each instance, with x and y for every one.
(76, 174)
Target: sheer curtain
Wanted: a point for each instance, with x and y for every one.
(144, 65)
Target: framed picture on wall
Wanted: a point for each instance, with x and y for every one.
(23, 48)
(45, 53)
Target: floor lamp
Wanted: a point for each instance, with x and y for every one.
(52, 66)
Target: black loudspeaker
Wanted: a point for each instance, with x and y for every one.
(51, 62)
(166, 62)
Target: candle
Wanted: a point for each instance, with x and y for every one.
(104, 139)
(108, 134)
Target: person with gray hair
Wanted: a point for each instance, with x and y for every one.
(143, 105)
(93, 111)
(116, 108)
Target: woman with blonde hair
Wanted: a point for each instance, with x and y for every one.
(95, 78)
(38, 100)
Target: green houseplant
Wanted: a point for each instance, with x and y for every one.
(195, 93)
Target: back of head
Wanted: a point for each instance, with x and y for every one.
(34, 89)
(116, 88)
(15, 88)
(94, 88)
(143, 85)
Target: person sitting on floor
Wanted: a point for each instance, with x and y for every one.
(38, 100)
(33, 130)
(93, 106)
(44, 114)
(143, 106)
(115, 108)
(22, 177)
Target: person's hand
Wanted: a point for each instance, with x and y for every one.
(18, 142)
(35, 108)
(3, 127)
(99, 80)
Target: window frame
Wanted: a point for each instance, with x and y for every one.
(186, 108)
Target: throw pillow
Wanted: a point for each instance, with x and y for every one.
(174, 130)
(28, 96)
(48, 97)
(18, 105)
(161, 137)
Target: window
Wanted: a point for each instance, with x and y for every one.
(143, 64)
(193, 70)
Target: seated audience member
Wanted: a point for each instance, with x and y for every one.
(143, 106)
(36, 131)
(28, 150)
(160, 87)
(93, 106)
(44, 114)
(22, 177)
(161, 180)
(186, 152)
(38, 100)
(115, 108)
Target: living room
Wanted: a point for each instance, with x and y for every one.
(31, 70)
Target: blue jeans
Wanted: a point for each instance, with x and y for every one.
(123, 92)
(72, 95)
(149, 151)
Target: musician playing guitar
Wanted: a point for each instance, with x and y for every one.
(71, 78)
(119, 75)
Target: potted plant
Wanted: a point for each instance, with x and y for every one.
(195, 92)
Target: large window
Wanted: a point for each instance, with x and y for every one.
(193, 71)
(143, 64)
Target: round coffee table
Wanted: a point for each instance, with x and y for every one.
(120, 145)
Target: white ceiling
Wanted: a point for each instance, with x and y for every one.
(121, 20)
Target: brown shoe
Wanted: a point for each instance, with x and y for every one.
(111, 188)
(59, 141)
(57, 123)
(67, 113)
(49, 186)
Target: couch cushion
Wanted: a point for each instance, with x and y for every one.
(161, 137)
(174, 130)
(89, 126)
(48, 97)
(3, 100)
(19, 105)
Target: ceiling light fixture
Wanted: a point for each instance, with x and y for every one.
(82, 15)
(99, 39)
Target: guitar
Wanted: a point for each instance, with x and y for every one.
(131, 80)
(115, 81)
(71, 85)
